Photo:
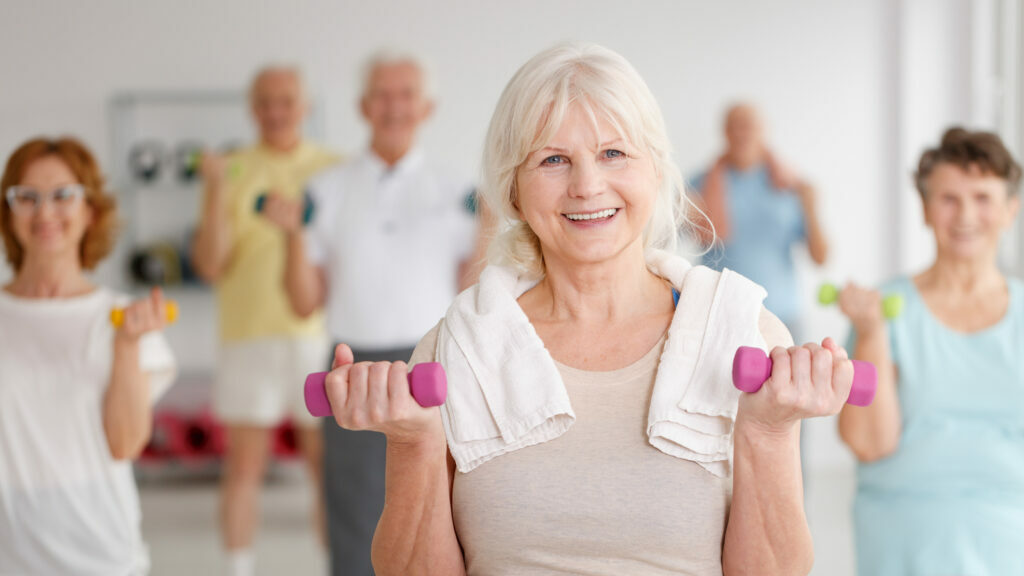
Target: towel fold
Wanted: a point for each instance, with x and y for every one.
(505, 391)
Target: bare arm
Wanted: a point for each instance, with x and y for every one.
(305, 283)
(872, 432)
(127, 415)
(767, 532)
(212, 244)
(416, 532)
(817, 243)
(715, 204)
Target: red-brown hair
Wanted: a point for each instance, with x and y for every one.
(101, 235)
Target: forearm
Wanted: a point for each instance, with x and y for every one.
(213, 238)
(127, 417)
(873, 432)
(767, 532)
(716, 210)
(817, 243)
(303, 282)
(416, 533)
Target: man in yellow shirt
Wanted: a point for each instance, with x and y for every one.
(266, 349)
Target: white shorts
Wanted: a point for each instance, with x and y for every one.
(259, 382)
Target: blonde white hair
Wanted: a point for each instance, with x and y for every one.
(529, 113)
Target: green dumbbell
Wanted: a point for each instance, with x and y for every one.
(308, 207)
(892, 305)
(192, 160)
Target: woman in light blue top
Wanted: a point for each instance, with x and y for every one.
(941, 449)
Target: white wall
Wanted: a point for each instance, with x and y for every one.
(817, 69)
(821, 71)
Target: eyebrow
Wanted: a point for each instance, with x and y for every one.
(600, 145)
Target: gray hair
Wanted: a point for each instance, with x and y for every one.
(393, 56)
(529, 113)
(269, 69)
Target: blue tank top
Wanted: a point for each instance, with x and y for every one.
(950, 500)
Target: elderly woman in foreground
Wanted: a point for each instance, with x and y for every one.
(591, 427)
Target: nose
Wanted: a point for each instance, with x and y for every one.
(45, 209)
(586, 180)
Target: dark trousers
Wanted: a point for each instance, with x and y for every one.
(354, 484)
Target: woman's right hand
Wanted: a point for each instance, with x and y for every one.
(863, 307)
(376, 396)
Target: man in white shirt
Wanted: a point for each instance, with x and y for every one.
(389, 246)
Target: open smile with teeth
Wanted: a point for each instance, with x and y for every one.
(592, 215)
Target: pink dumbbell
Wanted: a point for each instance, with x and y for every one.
(427, 382)
(751, 368)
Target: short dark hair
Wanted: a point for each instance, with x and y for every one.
(963, 148)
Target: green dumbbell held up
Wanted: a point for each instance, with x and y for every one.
(308, 207)
(892, 305)
(192, 162)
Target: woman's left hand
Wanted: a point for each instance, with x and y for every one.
(806, 381)
(143, 316)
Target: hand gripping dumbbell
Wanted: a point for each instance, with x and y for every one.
(307, 206)
(892, 304)
(751, 368)
(427, 382)
(170, 314)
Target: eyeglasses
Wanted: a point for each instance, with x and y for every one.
(25, 200)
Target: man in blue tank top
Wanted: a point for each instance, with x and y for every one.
(759, 209)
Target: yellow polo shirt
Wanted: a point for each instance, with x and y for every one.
(250, 294)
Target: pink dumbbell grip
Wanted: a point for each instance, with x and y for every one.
(427, 383)
(751, 367)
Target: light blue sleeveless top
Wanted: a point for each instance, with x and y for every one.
(951, 499)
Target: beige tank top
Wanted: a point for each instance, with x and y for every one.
(598, 500)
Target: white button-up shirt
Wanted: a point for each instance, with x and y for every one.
(390, 241)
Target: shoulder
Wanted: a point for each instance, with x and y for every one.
(897, 284)
(333, 177)
(245, 156)
(773, 330)
(426, 349)
(321, 154)
(447, 180)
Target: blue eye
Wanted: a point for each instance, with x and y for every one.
(614, 154)
(553, 160)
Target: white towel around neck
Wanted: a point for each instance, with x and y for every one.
(505, 391)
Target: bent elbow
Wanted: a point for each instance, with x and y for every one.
(126, 449)
(871, 450)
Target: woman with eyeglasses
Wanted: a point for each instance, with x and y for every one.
(75, 392)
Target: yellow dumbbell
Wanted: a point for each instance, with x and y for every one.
(170, 314)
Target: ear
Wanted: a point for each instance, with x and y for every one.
(428, 109)
(364, 107)
(924, 209)
(1013, 207)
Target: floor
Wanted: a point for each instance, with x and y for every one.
(179, 523)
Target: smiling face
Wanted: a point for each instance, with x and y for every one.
(395, 105)
(52, 230)
(279, 107)
(587, 194)
(744, 134)
(968, 210)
